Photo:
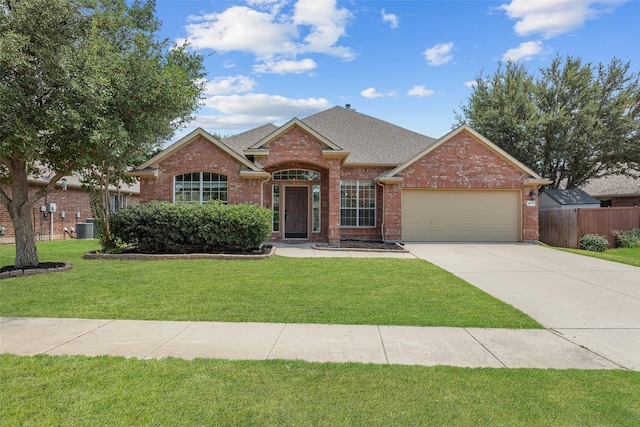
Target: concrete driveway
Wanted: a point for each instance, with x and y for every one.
(591, 302)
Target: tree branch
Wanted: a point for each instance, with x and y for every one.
(44, 190)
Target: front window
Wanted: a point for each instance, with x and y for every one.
(275, 205)
(117, 201)
(316, 208)
(357, 204)
(200, 187)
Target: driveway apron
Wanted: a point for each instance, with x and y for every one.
(591, 302)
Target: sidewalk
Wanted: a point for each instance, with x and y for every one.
(463, 347)
(549, 286)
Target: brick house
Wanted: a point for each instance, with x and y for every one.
(72, 206)
(340, 174)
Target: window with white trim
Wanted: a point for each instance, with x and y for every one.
(117, 201)
(315, 191)
(275, 206)
(199, 187)
(296, 175)
(357, 204)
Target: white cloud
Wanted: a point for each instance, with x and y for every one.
(228, 85)
(285, 66)
(327, 24)
(526, 51)
(554, 17)
(420, 91)
(243, 29)
(372, 93)
(391, 18)
(439, 54)
(265, 106)
(268, 31)
(237, 113)
(472, 83)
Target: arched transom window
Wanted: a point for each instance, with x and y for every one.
(296, 175)
(199, 187)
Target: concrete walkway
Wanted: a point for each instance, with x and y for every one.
(591, 311)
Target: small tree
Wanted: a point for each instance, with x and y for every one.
(85, 86)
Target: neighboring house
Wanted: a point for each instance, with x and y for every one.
(615, 190)
(72, 205)
(566, 199)
(340, 174)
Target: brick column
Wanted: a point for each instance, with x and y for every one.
(334, 202)
(392, 212)
(530, 225)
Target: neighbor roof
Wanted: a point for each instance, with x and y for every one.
(571, 197)
(613, 186)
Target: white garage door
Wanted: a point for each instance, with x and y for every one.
(460, 216)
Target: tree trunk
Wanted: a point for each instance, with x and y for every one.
(19, 207)
(26, 252)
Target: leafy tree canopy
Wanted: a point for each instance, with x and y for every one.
(572, 122)
(84, 85)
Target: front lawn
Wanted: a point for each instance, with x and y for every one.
(113, 391)
(630, 256)
(284, 290)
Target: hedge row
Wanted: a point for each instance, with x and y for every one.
(163, 227)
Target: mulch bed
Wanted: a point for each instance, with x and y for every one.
(267, 251)
(370, 244)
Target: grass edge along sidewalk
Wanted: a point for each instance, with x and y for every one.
(79, 390)
(406, 292)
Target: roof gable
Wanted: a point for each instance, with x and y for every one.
(264, 142)
(532, 176)
(152, 163)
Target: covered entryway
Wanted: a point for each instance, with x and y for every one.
(461, 215)
(296, 212)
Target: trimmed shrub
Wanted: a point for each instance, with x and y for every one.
(163, 227)
(627, 239)
(593, 242)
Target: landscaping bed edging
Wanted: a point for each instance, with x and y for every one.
(20, 272)
(159, 257)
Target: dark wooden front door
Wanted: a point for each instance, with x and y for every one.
(295, 212)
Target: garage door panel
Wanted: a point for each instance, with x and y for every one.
(440, 215)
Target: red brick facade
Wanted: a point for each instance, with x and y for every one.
(69, 202)
(462, 162)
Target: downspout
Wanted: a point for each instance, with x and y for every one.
(262, 183)
(383, 210)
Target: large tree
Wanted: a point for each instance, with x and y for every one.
(85, 85)
(571, 122)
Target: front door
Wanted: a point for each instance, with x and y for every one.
(295, 212)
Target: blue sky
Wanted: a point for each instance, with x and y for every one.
(409, 62)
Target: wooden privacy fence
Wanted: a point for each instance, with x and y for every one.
(565, 227)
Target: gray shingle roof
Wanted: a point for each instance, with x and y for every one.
(571, 197)
(612, 186)
(369, 140)
(244, 140)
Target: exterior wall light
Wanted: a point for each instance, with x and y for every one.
(532, 194)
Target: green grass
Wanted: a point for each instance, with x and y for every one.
(630, 256)
(289, 290)
(101, 391)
